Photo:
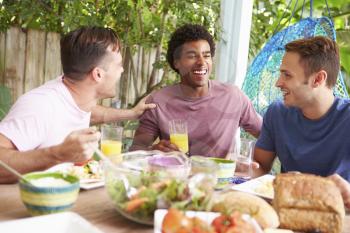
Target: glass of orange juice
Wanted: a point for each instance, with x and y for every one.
(111, 141)
(179, 135)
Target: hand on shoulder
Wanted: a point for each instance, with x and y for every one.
(142, 106)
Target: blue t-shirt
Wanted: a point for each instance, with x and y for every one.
(320, 147)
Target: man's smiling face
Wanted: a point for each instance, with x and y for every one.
(195, 63)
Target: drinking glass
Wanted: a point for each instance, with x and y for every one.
(243, 154)
(111, 140)
(179, 135)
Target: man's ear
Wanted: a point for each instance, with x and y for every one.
(320, 78)
(176, 64)
(96, 74)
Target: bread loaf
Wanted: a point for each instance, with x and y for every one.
(246, 203)
(307, 202)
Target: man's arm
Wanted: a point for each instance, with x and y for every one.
(77, 147)
(101, 114)
(265, 159)
(144, 141)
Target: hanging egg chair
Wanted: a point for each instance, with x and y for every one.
(259, 83)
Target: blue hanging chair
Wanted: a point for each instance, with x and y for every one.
(264, 70)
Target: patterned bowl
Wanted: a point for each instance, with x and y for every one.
(48, 192)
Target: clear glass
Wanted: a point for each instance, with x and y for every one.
(179, 135)
(243, 154)
(111, 140)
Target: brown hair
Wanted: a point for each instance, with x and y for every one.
(84, 48)
(317, 53)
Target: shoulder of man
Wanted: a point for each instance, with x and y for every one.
(225, 87)
(163, 94)
(277, 108)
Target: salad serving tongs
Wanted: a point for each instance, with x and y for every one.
(130, 191)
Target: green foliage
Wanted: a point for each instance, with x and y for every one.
(136, 21)
(5, 101)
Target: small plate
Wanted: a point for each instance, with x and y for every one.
(261, 186)
(63, 223)
(85, 183)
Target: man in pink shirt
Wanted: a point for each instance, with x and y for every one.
(213, 110)
(50, 124)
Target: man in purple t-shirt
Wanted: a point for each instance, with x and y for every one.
(213, 110)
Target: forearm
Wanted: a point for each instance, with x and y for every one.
(142, 141)
(24, 162)
(265, 160)
(260, 171)
(101, 114)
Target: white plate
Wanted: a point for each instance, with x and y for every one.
(261, 186)
(160, 213)
(84, 183)
(208, 217)
(53, 223)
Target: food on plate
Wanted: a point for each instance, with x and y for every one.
(265, 188)
(176, 221)
(307, 202)
(245, 203)
(91, 170)
(232, 223)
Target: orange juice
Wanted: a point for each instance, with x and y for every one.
(111, 147)
(180, 140)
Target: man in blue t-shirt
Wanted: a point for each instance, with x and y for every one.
(310, 130)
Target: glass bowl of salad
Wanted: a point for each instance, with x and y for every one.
(146, 181)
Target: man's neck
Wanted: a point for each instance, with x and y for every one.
(82, 93)
(319, 107)
(194, 92)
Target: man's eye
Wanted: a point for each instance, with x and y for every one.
(191, 56)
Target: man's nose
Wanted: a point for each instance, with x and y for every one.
(278, 82)
(200, 60)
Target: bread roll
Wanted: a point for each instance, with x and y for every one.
(246, 203)
(308, 203)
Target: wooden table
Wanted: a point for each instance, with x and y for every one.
(93, 205)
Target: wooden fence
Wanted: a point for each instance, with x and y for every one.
(28, 58)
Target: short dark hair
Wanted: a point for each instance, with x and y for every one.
(187, 33)
(317, 53)
(83, 49)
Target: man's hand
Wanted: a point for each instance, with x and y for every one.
(165, 145)
(142, 106)
(344, 187)
(78, 146)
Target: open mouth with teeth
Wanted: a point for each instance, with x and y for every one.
(284, 93)
(200, 72)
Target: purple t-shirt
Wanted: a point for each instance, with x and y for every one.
(212, 120)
